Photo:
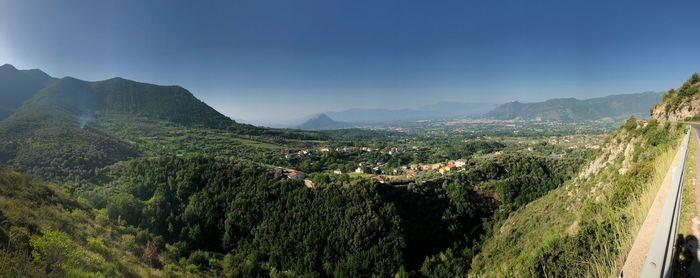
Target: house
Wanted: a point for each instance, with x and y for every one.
(324, 149)
(444, 170)
(308, 183)
(291, 156)
(378, 179)
(410, 174)
(337, 172)
(359, 170)
(294, 174)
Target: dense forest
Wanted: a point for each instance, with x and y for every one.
(259, 221)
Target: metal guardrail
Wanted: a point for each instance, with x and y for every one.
(659, 259)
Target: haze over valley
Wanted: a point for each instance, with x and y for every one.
(349, 139)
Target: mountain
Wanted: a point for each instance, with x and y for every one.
(432, 111)
(17, 86)
(63, 129)
(615, 107)
(322, 122)
(121, 96)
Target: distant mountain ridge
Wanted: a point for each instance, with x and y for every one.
(612, 107)
(443, 109)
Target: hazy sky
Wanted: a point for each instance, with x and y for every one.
(269, 61)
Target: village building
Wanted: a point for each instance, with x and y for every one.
(411, 174)
(308, 183)
(378, 179)
(294, 174)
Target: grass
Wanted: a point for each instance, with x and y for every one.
(36, 207)
(637, 214)
(583, 211)
(359, 175)
(683, 256)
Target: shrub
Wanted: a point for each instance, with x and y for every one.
(56, 251)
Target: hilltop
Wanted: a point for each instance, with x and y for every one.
(322, 122)
(613, 107)
(680, 104)
(17, 86)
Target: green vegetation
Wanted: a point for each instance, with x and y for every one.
(17, 86)
(687, 239)
(674, 99)
(45, 232)
(153, 182)
(52, 145)
(588, 223)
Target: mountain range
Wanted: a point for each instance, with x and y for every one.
(612, 107)
(432, 111)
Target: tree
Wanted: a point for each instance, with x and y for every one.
(150, 255)
(56, 251)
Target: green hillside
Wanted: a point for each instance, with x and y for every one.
(682, 103)
(65, 129)
(170, 103)
(54, 145)
(46, 233)
(586, 227)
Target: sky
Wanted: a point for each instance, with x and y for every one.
(268, 62)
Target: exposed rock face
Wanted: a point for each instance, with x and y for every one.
(688, 109)
(680, 104)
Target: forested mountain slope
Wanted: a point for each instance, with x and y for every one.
(64, 129)
(121, 96)
(262, 222)
(17, 86)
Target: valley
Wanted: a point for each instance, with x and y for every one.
(176, 189)
(319, 139)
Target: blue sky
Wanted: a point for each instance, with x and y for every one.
(270, 61)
